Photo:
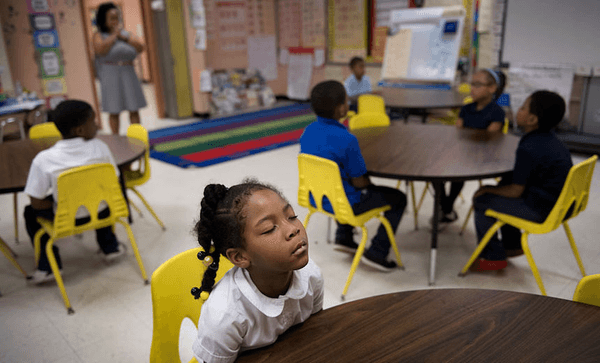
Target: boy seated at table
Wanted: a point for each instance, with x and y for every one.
(530, 192)
(357, 83)
(328, 138)
(75, 121)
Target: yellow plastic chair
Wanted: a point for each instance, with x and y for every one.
(85, 186)
(140, 176)
(172, 301)
(321, 177)
(574, 196)
(464, 88)
(44, 130)
(10, 255)
(371, 113)
(588, 290)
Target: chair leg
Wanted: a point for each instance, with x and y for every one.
(10, 256)
(149, 208)
(356, 260)
(464, 226)
(57, 276)
(135, 250)
(36, 245)
(423, 196)
(414, 205)
(136, 208)
(16, 214)
(536, 273)
(329, 220)
(574, 247)
(481, 246)
(388, 228)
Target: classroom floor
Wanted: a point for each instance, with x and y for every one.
(113, 309)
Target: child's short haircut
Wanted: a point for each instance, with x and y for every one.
(326, 97)
(549, 107)
(70, 114)
(354, 61)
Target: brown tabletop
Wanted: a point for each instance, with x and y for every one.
(435, 153)
(443, 325)
(16, 157)
(418, 101)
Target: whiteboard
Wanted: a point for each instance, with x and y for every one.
(551, 31)
(431, 54)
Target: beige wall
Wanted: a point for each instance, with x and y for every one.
(7, 84)
(20, 49)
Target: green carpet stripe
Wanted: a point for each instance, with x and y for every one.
(204, 142)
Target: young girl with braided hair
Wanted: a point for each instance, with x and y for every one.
(273, 284)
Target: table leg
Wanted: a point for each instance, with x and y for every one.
(424, 113)
(124, 190)
(437, 202)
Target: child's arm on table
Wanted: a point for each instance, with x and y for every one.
(495, 126)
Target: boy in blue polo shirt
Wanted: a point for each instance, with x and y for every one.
(357, 83)
(328, 138)
(541, 168)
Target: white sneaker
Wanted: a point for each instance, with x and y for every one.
(40, 277)
(110, 257)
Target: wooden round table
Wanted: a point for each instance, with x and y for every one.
(443, 325)
(16, 157)
(418, 101)
(436, 154)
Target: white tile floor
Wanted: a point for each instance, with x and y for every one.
(113, 319)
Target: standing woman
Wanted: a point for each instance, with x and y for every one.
(115, 51)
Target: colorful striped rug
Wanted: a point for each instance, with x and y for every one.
(214, 141)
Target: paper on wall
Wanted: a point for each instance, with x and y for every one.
(397, 54)
(299, 76)
(262, 55)
(197, 5)
(205, 81)
(200, 40)
(284, 55)
(319, 57)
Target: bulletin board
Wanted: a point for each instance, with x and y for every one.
(348, 24)
(226, 34)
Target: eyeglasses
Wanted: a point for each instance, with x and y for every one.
(479, 84)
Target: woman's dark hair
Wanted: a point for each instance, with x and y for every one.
(70, 114)
(549, 107)
(326, 97)
(222, 221)
(103, 9)
(501, 80)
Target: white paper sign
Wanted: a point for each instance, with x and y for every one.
(198, 19)
(205, 81)
(284, 55)
(43, 22)
(262, 55)
(299, 76)
(319, 57)
(50, 63)
(526, 79)
(200, 41)
(46, 39)
(39, 6)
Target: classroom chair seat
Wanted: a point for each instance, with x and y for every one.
(588, 290)
(44, 130)
(573, 200)
(321, 178)
(172, 301)
(137, 177)
(85, 186)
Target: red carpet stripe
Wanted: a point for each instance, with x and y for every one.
(242, 146)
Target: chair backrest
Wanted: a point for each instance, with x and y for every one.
(87, 186)
(137, 131)
(464, 88)
(321, 177)
(172, 301)
(574, 195)
(467, 100)
(505, 126)
(588, 290)
(44, 130)
(371, 103)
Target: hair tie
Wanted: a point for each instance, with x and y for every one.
(199, 294)
(494, 75)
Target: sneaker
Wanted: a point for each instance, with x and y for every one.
(514, 253)
(481, 264)
(448, 217)
(348, 246)
(380, 264)
(40, 276)
(110, 257)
